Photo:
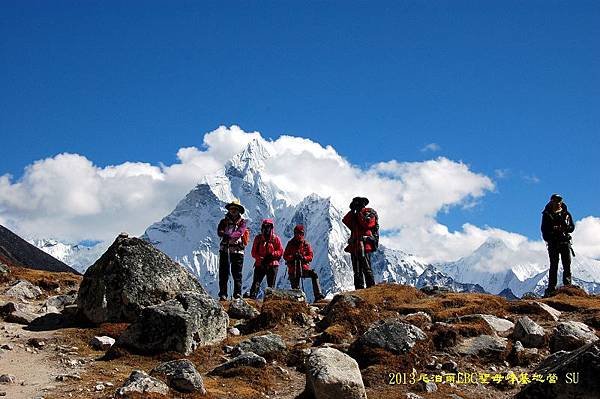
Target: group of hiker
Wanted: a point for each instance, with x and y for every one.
(267, 250)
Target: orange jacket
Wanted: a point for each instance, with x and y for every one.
(267, 247)
(301, 247)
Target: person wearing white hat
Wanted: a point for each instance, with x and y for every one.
(233, 233)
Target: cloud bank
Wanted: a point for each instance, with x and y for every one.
(69, 198)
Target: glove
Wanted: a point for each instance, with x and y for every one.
(298, 257)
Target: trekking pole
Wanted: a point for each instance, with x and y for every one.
(299, 271)
(229, 271)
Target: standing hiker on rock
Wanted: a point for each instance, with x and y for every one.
(557, 226)
(364, 239)
(234, 238)
(298, 255)
(266, 250)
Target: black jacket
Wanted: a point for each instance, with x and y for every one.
(556, 227)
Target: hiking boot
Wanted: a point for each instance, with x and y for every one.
(222, 298)
(237, 296)
(319, 297)
(549, 292)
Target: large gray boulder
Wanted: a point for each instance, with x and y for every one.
(331, 374)
(577, 375)
(531, 334)
(182, 324)
(128, 277)
(180, 375)
(392, 335)
(24, 290)
(140, 383)
(570, 335)
(497, 324)
(483, 345)
(269, 346)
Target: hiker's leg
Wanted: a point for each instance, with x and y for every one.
(294, 279)
(565, 255)
(272, 275)
(223, 273)
(237, 263)
(553, 255)
(359, 281)
(259, 275)
(315, 283)
(368, 271)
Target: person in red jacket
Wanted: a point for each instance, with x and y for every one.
(363, 225)
(266, 250)
(298, 255)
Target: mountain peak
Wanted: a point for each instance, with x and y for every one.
(250, 159)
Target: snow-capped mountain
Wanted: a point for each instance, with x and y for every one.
(78, 256)
(495, 266)
(188, 234)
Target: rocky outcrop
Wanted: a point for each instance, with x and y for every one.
(269, 346)
(24, 290)
(181, 324)
(331, 374)
(141, 383)
(483, 345)
(128, 277)
(102, 343)
(577, 375)
(239, 309)
(55, 304)
(392, 335)
(180, 375)
(531, 334)
(570, 335)
(497, 324)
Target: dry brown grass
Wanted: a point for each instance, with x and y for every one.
(46, 280)
(279, 313)
(572, 299)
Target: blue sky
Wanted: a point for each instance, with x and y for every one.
(511, 86)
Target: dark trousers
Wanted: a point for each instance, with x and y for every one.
(233, 264)
(260, 272)
(295, 281)
(563, 251)
(361, 265)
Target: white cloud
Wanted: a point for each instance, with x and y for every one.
(69, 198)
(502, 173)
(532, 179)
(586, 237)
(433, 147)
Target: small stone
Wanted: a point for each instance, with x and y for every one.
(7, 379)
(102, 343)
(7, 347)
(234, 331)
(99, 387)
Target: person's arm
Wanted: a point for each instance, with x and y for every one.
(288, 254)
(347, 220)
(546, 227)
(239, 230)
(308, 253)
(255, 248)
(277, 249)
(221, 228)
(570, 223)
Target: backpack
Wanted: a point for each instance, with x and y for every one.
(374, 238)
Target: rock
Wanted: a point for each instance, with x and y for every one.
(427, 386)
(99, 388)
(8, 308)
(496, 323)
(483, 345)
(56, 304)
(529, 333)
(410, 395)
(331, 374)
(392, 335)
(7, 379)
(571, 335)
(521, 356)
(530, 295)
(4, 268)
(269, 346)
(234, 331)
(7, 347)
(577, 375)
(36, 342)
(244, 360)
(141, 383)
(419, 319)
(180, 375)
(547, 311)
(239, 309)
(102, 343)
(290, 295)
(181, 324)
(128, 277)
(23, 289)
(435, 290)
(450, 366)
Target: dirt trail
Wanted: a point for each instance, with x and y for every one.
(35, 370)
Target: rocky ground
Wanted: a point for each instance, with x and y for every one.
(389, 341)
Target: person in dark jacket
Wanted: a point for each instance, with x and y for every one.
(298, 254)
(557, 226)
(266, 250)
(231, 250)
(362, 222)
